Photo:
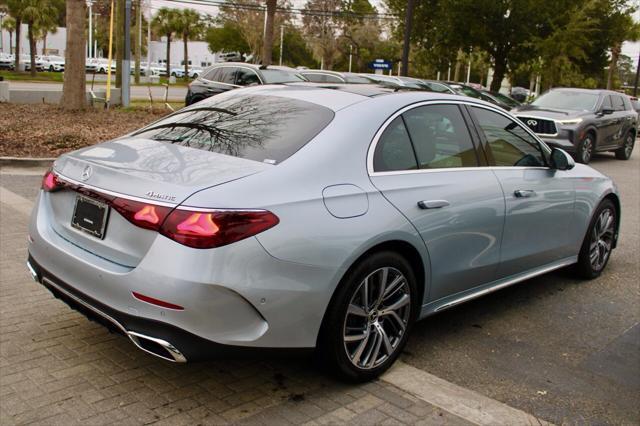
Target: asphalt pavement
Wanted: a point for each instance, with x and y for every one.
(176, 93)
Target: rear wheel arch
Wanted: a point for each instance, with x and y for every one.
(405, 249)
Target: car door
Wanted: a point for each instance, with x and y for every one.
(622, 123)
(606, 124)
(539, 200)
(426, 164)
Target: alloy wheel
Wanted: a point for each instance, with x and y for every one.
(601, 239)
(628, 145)
(377, 318)
(587, 149)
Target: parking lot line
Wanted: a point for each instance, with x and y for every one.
(462, 402)
(465, 403)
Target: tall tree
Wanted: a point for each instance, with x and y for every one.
(321, 28)
(188, 26)
(267, 44)
(74, 88)
(248, 17)
(37, 14)
(164, 23)
(15, 8)
(9, 25)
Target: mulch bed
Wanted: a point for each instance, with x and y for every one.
(48, 131)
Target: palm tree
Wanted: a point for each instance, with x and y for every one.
(74, 87)
(15, 8)
(188, 25)
(37, 14)
(165, 23)
(9, 25)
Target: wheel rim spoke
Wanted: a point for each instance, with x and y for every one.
(602, 239)
(376, 317)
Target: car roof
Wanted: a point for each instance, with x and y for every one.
(339, 96)
(256, 67)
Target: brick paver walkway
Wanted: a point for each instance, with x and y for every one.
(56, 367)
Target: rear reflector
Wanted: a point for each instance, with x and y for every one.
(157, 302)
(209, 229)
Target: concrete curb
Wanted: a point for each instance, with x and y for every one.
(26, 161)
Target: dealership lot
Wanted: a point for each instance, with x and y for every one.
(561, 349)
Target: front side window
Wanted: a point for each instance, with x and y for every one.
(245, 77)
(261, 128)
(227, 75)
(618, 103)
(509, 144)
(394, 151)
(440, 137)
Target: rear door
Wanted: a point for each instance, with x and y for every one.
(539, 200)
(427, 165)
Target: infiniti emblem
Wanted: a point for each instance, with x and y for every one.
(86, 173)
(532, 122)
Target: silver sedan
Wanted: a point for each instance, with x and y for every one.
(302, 216)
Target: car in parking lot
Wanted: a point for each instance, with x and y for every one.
(302, 216)
(325, 76)
(227, 76)
(583, 121)
(503, 101)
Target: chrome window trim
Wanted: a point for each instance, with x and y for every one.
(387, 122)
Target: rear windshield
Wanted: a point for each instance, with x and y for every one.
(256, 127)
(281, 76)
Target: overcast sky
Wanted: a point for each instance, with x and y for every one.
(630, 49)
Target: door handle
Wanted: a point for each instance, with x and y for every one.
(432, 204)
(524, 193)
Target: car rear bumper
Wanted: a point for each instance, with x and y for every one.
(236, 295)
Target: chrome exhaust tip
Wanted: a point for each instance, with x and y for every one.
(33, 272)
(158, 347)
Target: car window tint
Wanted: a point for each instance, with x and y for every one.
(246, 77)
(394, 151)
(436, 87)
(275, 75)
(440, 137)
(618, 103)
(509, 143)
(227, 75)
(212, 74)
(315, 78)
(606, 103)
(255, 127)
(333, 79)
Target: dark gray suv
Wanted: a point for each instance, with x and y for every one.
(583, 121)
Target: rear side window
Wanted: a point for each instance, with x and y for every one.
(272, 76)
(618, 103)
(394, 151)
(211, 74)
(315, 78)
(246, 77)
(261, 128)
(440, 137)
(227, 75)
(509, 144)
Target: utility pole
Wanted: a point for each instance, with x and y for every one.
(350, 56)
(139, 41)
(281, 42)
(408, 21)
(148, 73)
(635, 86)
(91, 52)
(469, 69)
(126, 62)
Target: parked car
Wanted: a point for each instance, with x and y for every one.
(583, 121)
(503, 101)
(324, 76)
(438, 86)
(312, 217)
(407, 82)
(179, 72)
(223, 77)
(53, 63)
(520, 94)
(6, 61)
(40, 63)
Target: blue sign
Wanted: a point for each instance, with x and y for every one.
(380, 64)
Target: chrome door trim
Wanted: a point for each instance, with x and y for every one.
(387, 122)
(508, 282)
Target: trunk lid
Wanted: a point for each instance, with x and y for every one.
(148, 170)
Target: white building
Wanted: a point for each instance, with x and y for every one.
(56, 42)
(199, 54)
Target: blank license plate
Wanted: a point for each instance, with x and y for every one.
(90, 216)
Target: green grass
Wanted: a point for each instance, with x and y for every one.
(26, 76)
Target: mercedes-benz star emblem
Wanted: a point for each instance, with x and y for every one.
(86, 173)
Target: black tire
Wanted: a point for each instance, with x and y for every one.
(333, 346)
(51, 68)
(585, 149)
(624, 152)
(585, 268)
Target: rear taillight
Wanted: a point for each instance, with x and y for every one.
(209, 229)
(148, 216)
(50, 182)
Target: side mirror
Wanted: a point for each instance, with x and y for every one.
(561, 160)
(606, 111)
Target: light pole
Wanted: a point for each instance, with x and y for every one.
(2, 15)
(469, 69)
(350, 56)
(91, 52)
(281, 42)
(126, 63)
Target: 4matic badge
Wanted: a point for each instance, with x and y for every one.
(158, 196)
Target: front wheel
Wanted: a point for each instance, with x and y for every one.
(370, 317)
(598, 243)
(585, 149)
(624, 152)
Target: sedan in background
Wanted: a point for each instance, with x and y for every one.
(302, 216)
(497, 98)
(227, 76)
